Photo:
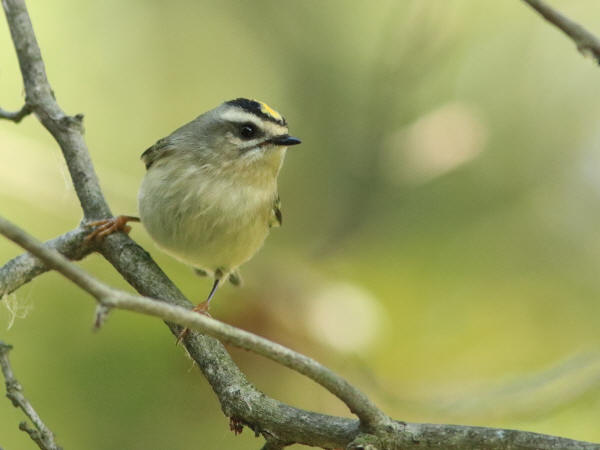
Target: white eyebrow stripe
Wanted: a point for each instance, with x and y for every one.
(239, 116)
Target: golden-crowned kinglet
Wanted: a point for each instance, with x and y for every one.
(209, 195)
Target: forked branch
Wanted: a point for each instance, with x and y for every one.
(15, 116)
(41, 435)
(370, 416)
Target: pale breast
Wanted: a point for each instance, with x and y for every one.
(206, 221)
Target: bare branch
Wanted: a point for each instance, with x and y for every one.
(370, 416)
(449, 437)
(24, 268)
(42, 435)
(587, 43)
(237, 396)
(67, 130)
(385, 433)
(15, 116)
(278, 423)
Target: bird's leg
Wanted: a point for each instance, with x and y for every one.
(109, 226)
(203, 307)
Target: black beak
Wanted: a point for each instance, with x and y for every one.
(285, 140)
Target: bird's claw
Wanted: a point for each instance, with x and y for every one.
(108, 226)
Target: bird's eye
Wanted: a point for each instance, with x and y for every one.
(248, 130)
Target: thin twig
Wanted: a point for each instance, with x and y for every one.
(587, 43)
(370, 416)
(15, 116)
(41, 435)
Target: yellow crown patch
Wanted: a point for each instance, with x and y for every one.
(267, 110)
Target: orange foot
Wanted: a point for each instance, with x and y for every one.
(109, 226)
(201, 308)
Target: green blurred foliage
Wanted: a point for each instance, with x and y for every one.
(440, 244)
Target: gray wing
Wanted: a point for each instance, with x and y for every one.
(162, 148)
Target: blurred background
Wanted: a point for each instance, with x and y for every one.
(441, 242)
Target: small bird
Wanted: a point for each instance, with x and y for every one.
(209, 196)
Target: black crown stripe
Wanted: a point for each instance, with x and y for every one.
(254, 107)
